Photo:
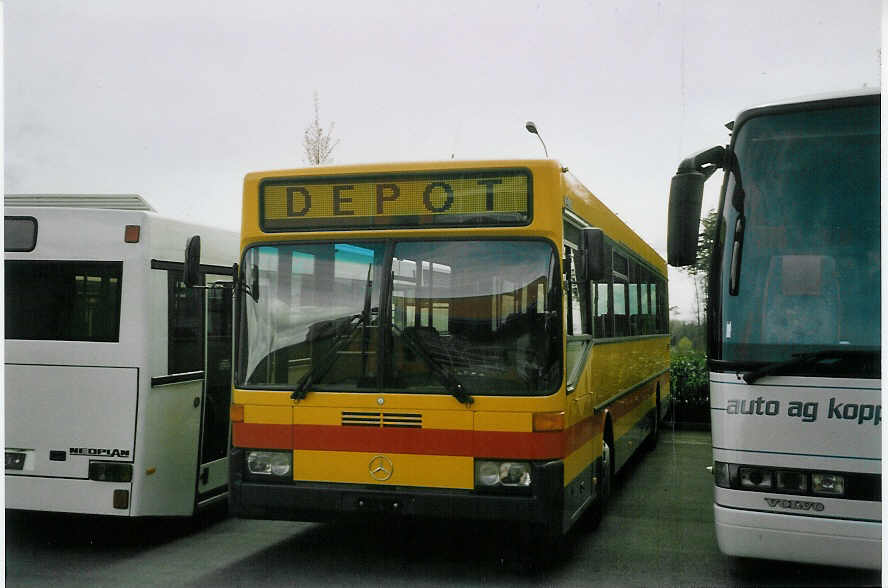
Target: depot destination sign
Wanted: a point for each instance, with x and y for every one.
(500, 197)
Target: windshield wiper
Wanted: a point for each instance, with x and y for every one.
(315, 373)
(812, 358)
(451, 383)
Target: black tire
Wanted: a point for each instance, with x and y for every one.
(606, 475)
(651, 442)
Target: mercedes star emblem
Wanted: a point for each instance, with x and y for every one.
(381, 468)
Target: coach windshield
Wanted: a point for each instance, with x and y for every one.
(800, 267)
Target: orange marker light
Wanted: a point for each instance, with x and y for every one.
(548, 421)
(131, 234)
(237, 413)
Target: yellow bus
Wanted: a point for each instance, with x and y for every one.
(477, 340)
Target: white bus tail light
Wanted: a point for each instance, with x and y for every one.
(110, 471)
(828, 484)
(121, 499)
(15, 460)
(757, 478)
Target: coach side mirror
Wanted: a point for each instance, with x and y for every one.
(593, 254)
(685, 200)
(191, 270)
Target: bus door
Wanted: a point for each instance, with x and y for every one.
(213, 468)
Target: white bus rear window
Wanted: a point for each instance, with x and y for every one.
(19, 233)
(63, 300)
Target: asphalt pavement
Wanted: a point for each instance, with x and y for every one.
(657, 531)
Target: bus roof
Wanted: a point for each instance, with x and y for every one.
(395, 167)
(801, 101)
(579, 199)
(105, 201)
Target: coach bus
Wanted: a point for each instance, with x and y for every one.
(793, 328)
(477, 340)
(117, 376)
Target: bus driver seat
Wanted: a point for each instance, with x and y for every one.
(801, 301)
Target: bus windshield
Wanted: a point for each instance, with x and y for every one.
(800, 225)
(484, 313)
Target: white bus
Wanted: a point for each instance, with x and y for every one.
(793, 328)
(117, 376)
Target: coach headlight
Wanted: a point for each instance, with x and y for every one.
(491, 474)
(828, 483)
(270, 463)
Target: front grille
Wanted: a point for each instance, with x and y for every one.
(379, 419)
(361, 419)
(402, 420)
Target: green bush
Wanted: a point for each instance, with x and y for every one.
(689, 387)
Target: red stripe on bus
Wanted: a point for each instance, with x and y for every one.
(546, 445)
(262, 436)
(505, 444)
(383, 440)
(580, 433)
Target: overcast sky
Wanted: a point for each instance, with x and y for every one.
(177, 100)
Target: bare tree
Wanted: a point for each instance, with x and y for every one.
(318, 144)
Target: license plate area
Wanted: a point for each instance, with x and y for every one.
(380, 503)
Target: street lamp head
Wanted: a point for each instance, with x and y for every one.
(532, 128)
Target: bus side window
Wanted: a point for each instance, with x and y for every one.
(645, 308)
(602, 322)
(579, 322)
(621, 286)
(659, 288)
(634, 317)
(602, 313)
(185, 351)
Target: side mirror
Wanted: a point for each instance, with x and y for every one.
(685, 199)
(191, 272)
(593, 254)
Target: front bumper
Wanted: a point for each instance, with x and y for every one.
(805, 539)
(319, 501)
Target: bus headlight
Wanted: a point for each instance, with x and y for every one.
(489, 473)
(270, 463)
(825, 483)
(757, 478)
